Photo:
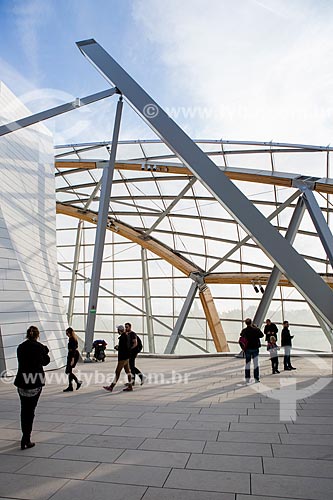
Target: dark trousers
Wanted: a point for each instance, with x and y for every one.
(252, 354)
(28, 406)
(133, 368)
(286, 357)
(72, 377)
(275, 364)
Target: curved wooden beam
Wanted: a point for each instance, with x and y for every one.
(323, 185)
(128, 232)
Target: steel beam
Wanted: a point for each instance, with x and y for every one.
(287, 203)
(147, 297)
(74, 272)
(103, 212)
(282, 254)
(176, 332)
(58, 110)
(171, 206)
(274, 279)
(319, 223)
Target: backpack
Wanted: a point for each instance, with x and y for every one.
(243, 342)
(139, 344)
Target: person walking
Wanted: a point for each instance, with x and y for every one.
(123, 349)
(29, 380)
(273, 349)
(269, 330)
(72, 359)
(286, 344)
(135, 345)
(252, 334)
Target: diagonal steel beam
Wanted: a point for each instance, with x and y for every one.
(58, 110)
(274, 279)
(282, 254)
(247, 238)
(319, 223)
(172, 205)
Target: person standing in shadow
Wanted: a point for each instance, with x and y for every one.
(252, 334)
(72, 358)
(29, 380)
(286, 344)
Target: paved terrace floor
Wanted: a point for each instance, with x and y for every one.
(210, 438)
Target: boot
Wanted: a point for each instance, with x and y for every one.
(26, 443)
(68, 389)
(129, 388)
(109, 388)
(78, 384)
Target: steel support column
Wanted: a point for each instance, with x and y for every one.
(274, 279)
(282, 254)
(103, 212)
(74, 272)
(176, 332)
(319, 223)
(147, 297)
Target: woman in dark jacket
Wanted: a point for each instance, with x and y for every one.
(286, 344)
(72, 358)
(30, 378)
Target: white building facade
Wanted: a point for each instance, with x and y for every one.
(30, 292)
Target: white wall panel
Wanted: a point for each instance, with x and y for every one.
(30, 290)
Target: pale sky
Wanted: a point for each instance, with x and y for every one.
(246, 69)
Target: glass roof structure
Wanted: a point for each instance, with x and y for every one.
(166, 229)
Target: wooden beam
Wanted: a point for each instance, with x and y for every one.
(237, 174)
(249, 278)
(156, 247)
(213, 320)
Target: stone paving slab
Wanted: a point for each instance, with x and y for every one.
(203, 425)
(313, 439)
(252, 437)
(291, 486)
(130, 474)
(177, 445)
(175, 494)
(141, 432)
(29, 487)
(153, 458)
(303, 451)
(227, 463)
(11, 463)
(88, 453)
(90, 490)
(298, 467)
(113, 441)
(188, 434)
(227, 482)
(231, 448)
(51, 467)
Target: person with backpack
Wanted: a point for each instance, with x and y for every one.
(250, 343)
(135, 344)
(123, 349)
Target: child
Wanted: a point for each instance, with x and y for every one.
(273, 349)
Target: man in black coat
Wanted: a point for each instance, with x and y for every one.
(269, 330)
(286, 344)
(29, 380)
(252, 334)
